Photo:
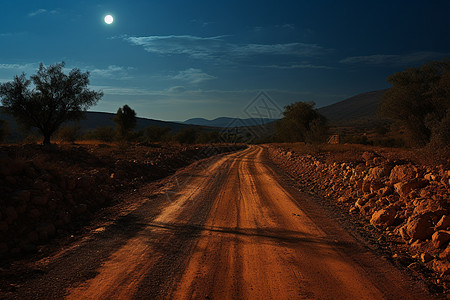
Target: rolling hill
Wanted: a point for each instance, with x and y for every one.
(228, 122)
(96, 119)
(359, 109)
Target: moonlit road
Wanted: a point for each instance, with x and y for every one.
(230, 227)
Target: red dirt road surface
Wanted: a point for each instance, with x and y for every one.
(229, 227)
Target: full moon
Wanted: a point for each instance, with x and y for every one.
(109, 19)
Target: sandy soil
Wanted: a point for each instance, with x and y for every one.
(228, 227)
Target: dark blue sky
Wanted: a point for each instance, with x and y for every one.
(173, 60)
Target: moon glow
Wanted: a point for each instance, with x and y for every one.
(109, 19)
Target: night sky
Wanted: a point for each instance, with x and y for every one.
(174, 60)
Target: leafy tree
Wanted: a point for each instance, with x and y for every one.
(53, 99)
(4, 130)
(125, 120)
(419, 99)
(302, 123)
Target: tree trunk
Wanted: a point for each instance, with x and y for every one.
(46, 139)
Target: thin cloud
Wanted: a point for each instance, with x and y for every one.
(298, 66)
(177, 89)
(193, 76)
(28, 67)
(389, 59)
(286, 26)
(217, 48)
(111, 72)
(42, 11)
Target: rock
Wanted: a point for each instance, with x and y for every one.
(344, 199)
(368, 156)
(21, 196)
(430, 177)
(404, 188)
(415, 266)
(378, 172)
(426, 257)
(429, 206)
(11, 180)
(11, 214)
(419, 228)
(445, 254)
(441, 267)
(402, 173)
(443, 223)
(385, 191)
(34, 213)
(360, 202)
(40, 200)
(4, 226)
(375, 186)
(440, 238)
(366, 186)
(383, 218)
(353, 210)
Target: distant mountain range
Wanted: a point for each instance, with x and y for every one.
(359, 110)
(228, 122)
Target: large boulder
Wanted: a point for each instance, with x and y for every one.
(440, 238)
(404, 188)
(383, 217)
(445, 254)
(378, 172)
(443, 223)
(402, 173)
(419, 227)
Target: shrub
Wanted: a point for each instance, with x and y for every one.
(186, 136)
(102, 133)
(69, 133)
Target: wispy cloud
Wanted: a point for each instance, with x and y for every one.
(42, 11)
(177, 89)
(286, 26)
(390, 59)
(111, 72)
(194, 46)
(193, 76)
(298, 66)
(20, 67)
(218, 48)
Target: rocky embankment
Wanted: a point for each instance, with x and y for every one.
(401, 200)
(46, 192)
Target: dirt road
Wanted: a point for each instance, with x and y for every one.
(229, 227)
